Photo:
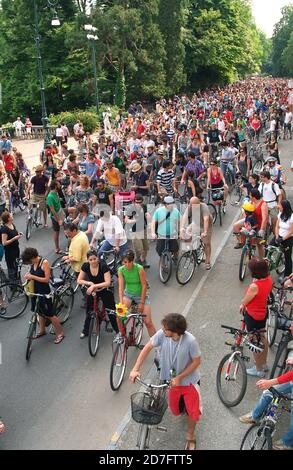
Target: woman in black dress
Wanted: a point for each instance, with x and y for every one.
(95, 275)
(10, 240)
(40, 273)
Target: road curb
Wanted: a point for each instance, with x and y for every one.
(127, 417)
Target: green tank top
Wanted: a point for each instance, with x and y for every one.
(132, 279)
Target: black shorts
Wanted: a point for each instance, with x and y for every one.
(55, 225)
(252, 324)
(173, 246)
(45, 307)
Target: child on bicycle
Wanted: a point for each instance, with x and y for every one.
(250, 222)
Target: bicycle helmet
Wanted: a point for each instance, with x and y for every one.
(270, 159)
(248, 207)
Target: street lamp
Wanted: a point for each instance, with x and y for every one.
(92, 38)
(55, 22)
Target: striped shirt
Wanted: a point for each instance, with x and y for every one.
(170, 134)
(165, 179)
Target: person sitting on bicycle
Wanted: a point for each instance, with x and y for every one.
(40, 273)
(254, 308)
(180, 358)
(283, 384)
(226, 161)
(284, 234)
(165, 225)
(276, 171)
(166, 182)
(246, 224)
(216, 179)
(95, 275)
(133, 286)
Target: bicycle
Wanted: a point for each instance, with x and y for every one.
(122, 342)
(284, 347)
(236, 193)
(248, 251)
(259, 435)
(148, 409)
(218, 203)
(16, 200)
(165, 263)
(274, 255)
(231, 372)
(98, 315)
(13, 300)
(275, 312)
(33, 218)
(188, 262)
(64, 273)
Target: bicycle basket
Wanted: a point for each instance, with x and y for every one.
(218, 195)
(147, 409)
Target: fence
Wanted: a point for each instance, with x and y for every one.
(37, 132)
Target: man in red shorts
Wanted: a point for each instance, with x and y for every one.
(180, 358)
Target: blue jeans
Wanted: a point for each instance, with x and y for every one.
(264, 402)
(228, 168)
(108, 247)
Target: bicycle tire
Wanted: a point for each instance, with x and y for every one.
(257, 167)
(187, 263)
(13, 300)
(64, 305)
(119, 353)
(243, 263)
(213, 212)
(143, 437)
(94, 334)
(272, 325)
(261, 433)
(235, 196)
(37, 218)
(220, 387)
(165, 267)
(138, 330)
(28, 231)
(279, 364)
(30, 336)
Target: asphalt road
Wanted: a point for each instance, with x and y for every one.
(62, 399)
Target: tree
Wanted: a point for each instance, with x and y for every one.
(280, 39)
(287, 56)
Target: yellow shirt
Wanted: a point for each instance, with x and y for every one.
(113, 177)
(79, 246)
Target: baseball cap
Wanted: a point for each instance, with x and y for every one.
(169, 200)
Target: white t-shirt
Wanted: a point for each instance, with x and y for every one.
(268, 194)
(284, 227)
(133, 143)
(59, 132)
(112, 229)
(288, 118)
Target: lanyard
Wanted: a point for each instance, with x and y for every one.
(174, 358)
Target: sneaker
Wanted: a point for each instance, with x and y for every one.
(255, 373)
(238, 246)
(83, 335)
(247, 419)
(279, 445)
(2, 311)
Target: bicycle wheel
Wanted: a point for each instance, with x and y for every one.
(243, 263)
(64, 304)
(235, 196)
(200, 253)
(220, 214)
(186, 267)
(30, 336)
(279, 364)
(231, 380)
(13, 300)
(143, 437)
(272, 324)
(165, 267)
(213, 212)
(118, 365)
(138, 330)
(29, 226)
(37, 218)
(257, 437)
(257, 167)
(94, 334)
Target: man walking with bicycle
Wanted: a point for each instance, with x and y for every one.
(165, 225)
(180, 358)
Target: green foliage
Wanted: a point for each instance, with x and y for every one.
(287, 56)
(281, 43)
(89, 119)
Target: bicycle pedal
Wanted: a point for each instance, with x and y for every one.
(162, 428)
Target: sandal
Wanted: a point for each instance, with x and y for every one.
(208, 266)
(46, 226)
(58, 252)
(190, 444)
(39, 335)
(59, 339)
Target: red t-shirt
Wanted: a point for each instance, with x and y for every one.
(288, 377)
(257, 307)
(258, 214)
(8, 162)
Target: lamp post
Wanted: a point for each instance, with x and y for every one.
(92, 38)
(55, 22)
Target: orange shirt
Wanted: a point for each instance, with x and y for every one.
(113, 176)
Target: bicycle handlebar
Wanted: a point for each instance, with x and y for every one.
(278, 394)
(112, 312)
(141, 382)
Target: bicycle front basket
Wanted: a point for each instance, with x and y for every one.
(147, 409)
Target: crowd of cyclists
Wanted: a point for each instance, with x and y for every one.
(139, 180)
